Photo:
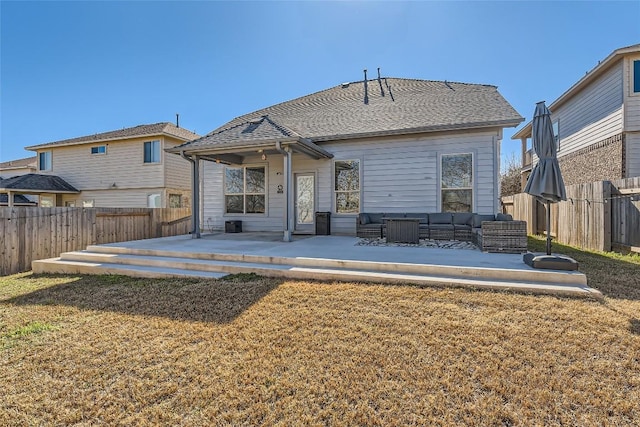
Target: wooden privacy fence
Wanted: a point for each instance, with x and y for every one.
(31, 233)
(603, 215)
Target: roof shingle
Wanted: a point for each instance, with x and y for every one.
(38, 182)
(394, 105)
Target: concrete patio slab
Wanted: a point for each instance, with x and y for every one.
(324, 257)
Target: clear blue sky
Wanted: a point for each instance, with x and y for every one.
(70, 69)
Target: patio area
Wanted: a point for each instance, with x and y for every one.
(341, 258)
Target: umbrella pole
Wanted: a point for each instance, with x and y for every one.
(548, 228)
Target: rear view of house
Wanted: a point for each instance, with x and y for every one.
(597, 123)
(124, 168)
(376, 145)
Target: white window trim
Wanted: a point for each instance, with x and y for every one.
(50, 161)
(334, 207)
(474, 170)
(632, 76)
(92, 201)
(244, 193)
(98, 146)
(160, 154)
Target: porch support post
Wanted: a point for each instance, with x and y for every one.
(195, 193)
(9, 199)
(288, 191)
(195, 207)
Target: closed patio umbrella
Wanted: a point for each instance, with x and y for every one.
(545, 181)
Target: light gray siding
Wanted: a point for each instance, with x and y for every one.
(397, 175)
(633, 154)
(177, 169)
(592, 115)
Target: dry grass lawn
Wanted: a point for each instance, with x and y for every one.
(252, 351)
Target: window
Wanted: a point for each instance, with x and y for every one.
(44, 161)
(152, 152)
(244, 190)
(175, 200)
(47, 202)
(70, 203)
(154, 201)
(347, 186)
(636, 76)
(100, 149)
(556, 133)
(457, 183)
(88, 204)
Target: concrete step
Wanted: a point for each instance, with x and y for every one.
(111, 261)
(56, 265)
(482, 273)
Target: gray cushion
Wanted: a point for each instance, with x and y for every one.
(462, 226)
(364, 219)
(504, 217)
(375, 218)
(441, 218)
(424, 218)
(394, 215)
(478, 218)
(441, 226)
(460, 218)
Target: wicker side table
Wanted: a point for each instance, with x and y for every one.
(504, 236)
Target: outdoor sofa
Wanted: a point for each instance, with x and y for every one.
(491, 233)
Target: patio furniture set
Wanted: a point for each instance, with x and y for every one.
(491, 233)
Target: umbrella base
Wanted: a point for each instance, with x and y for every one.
(550, 262)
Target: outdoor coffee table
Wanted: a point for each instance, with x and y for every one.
(403, 230)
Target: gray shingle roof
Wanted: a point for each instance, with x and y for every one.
(394, 106)
(163, 128)
(38, 182)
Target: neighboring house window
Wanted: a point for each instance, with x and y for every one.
(347, 186)
(46, 202)
(457, 182)
(556, 133)
(70, 203)
(88, 204)
(152, 152)
(154, 201)
(44, 161)
(100, 149)
(244, 190)
(175, 200)
(636, 76)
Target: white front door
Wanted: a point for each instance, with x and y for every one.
(305, 193)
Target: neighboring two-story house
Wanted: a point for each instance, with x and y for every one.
(596, 122)
(122, 168)
(18, 167)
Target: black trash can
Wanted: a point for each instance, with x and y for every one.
(323, 223)
(233, 226)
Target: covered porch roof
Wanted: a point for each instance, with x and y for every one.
(262, 134)
(33, 183)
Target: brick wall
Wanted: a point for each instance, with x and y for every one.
(598, 162)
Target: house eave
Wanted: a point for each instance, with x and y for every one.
(596, 72)
(300, 144)
(36, 191)
(424, 129)
(103, 140)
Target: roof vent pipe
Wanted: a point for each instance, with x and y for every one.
(366, 93)
(380, 82)
(177, 120)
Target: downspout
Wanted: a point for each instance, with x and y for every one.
(195, 199)
(288, 191)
